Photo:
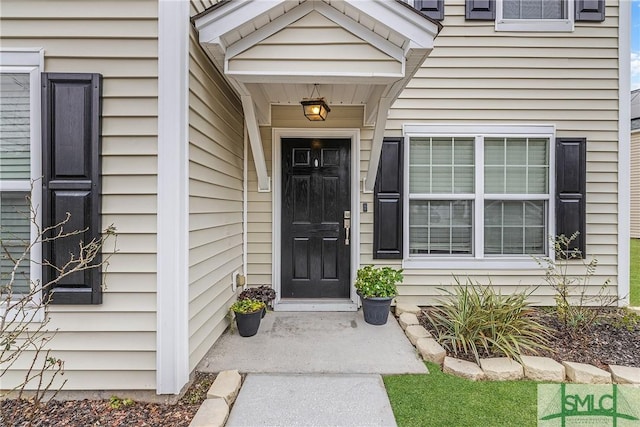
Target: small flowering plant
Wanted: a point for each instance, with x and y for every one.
(380, 282)
(247, 306)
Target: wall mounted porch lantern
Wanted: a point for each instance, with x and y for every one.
(315, 109)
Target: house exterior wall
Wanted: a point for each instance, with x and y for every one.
(334, 48)
(635, 184)
(215, 198)
(112, 345)
(476, 75)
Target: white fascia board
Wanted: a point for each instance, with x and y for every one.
(418, 30)
(360, 31)
(230, 16)
(624, 152)
(172, 333)
(251, 123)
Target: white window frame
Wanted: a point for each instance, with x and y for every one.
(535, 25)
(29, 61)
(478, 260)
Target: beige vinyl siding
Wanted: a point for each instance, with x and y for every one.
(112, 345)
(635, 184)
(311, 45)
(215, 198)
(478, 75)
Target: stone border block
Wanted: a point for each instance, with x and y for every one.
(584, 373)
(542, 369)
(415, 332)
(431, 351)
(625, 374)
(502, 369)
(462, 368)
(226, 386)
(212, 413)
(408, 319)
(402, 307)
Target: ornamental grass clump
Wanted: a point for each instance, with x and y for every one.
(474, 319)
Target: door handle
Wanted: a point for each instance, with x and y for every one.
(347, 227)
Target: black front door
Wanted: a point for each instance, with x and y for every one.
(316, 198)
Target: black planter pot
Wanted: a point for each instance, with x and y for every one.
(248, 324)
(376, 310)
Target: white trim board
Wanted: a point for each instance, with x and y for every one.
(315, 305)
(624, 152)
(172, 352)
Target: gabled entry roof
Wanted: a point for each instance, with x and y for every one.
(359, 52)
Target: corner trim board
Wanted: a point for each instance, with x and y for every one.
(624, 153)
(172, 352)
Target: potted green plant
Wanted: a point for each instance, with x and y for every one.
(263, 293)
(377, 286)
(248, 315)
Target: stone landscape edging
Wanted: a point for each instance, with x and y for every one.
(502, 368)
(214, 411)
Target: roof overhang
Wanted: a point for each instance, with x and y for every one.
(380, 45)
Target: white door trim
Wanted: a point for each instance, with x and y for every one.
(350, 304)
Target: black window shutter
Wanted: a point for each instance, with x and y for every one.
(571, 185)
(71, 110)
(387, 213)
(434, 9)
(480, 10)
(590, 10)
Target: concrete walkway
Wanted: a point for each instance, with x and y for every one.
(304, 343)
(314, 369)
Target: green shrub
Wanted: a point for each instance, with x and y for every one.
(378, 281)
(474, 319)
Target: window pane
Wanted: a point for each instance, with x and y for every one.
(441, 165)
(514, 227)
(533, 9)
(15, 237)
(420, 165)
(14, 126)
(440, 227)
(516, 165)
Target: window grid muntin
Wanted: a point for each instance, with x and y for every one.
(479, 197)
(528, 167)
(451, 226)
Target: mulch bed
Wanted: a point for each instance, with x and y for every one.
(605, 343)
(601, 345)
(94, 413)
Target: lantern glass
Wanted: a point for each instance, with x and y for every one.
(315, 109)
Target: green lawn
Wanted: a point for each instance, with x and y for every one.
(439, 399)
(635, 272)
